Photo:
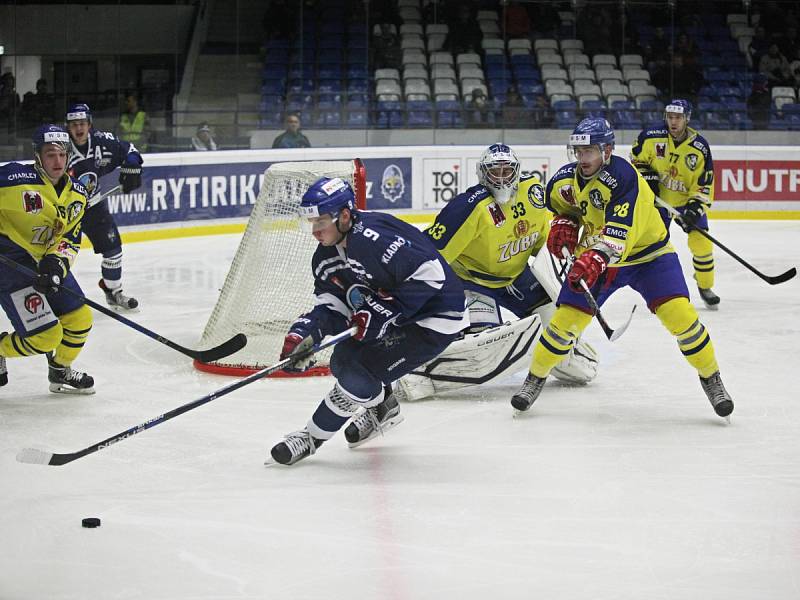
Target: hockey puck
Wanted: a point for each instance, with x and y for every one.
(90, 522)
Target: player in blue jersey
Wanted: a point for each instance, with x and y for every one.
(384, 276)
(97, 153)
(624, 243)
(40, 228)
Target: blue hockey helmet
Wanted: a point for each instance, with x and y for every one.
(498, 171)
(78, 112)
(680, 106)
(592, 131)
(49, 134)
(327, 196)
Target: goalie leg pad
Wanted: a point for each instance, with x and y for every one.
(474, 359)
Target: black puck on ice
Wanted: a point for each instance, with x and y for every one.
(90, 522)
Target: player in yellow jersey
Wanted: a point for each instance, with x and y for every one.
(624, 242)
(40, 228)
(487, 234)
(676, 161)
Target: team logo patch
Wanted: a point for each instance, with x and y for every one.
(568, 194)
(521, 229)
(392, 184)
(33, 203)
(661, 150)
(596, 198)
(691, 161)
(89, 181)
(496, 213)
(74, 211)
(536, 195)
(33, 303)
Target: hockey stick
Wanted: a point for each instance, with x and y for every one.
(40, 457)
(236, 343)
(100, 197)
(611, 334)
(770, 279)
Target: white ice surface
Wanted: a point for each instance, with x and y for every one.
(629, 488)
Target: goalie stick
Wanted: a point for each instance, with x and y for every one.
(770, 279)
(236, 343)
(40, 457)
(611, 334)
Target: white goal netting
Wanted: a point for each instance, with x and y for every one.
(270, 283)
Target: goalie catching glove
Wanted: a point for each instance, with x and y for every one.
(52, 272)
(374, 318)
(563, 232)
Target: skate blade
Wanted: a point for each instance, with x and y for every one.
(123, 310)
(712, 306)
(390, 424)
(58, 388)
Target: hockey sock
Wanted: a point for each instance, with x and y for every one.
(557, 339)
(702, 259)
(13, 345)
(76, 326)
(111, 269)
(332, 413)
(681, 320)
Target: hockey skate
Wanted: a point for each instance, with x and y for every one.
(718, 396)
(117, 300)
(374, 421)
(3, 371)
(295, 447)
(65, 380)
(710, 299)
(528, 393)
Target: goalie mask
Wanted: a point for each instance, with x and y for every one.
(322, 203)
(498, 171)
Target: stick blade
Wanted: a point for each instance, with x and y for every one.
(32, 456)
(621, 329)
(782, 277)
(234, 344)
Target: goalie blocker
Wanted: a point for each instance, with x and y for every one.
(500, 350)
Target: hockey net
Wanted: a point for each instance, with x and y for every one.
(270, 283)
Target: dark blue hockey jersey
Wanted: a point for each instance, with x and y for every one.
(102, 153)
(395, 261)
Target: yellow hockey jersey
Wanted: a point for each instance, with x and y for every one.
(685, 170)
(488, 243)
(616, 209)
(37, 219)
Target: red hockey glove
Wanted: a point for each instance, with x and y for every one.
(589, 266)
(373, 319)
(563, 232)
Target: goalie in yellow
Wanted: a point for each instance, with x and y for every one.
(41, 208)
(676, 162)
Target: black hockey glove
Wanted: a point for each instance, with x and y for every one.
(130, 177)
(52, 272)
(691, 215)
(651, 177)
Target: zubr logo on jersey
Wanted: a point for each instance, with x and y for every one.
(392, 184)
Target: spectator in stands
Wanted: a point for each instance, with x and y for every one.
(464, 33)
(775, 66)
(759, 101)
(594, 27)
(514, 112)
(478, 113)
(758, 46)
(686, 48)
(292, 137)
(794, 67)
(678, 79)
(134, 126)
(386, 51)
(541, 114)
(38, 108)
(658, 50)
(9, 101)
(518, 25)
(202, 140)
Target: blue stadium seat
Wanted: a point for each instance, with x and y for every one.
(716, 121)
(271, 118)
(566, 119)
(357, 86)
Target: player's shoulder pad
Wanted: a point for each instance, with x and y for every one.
(656, 130)
(700, 143)
(616, 173)
(466, 202)
(78, 187)
(565, 172)
(15, 173)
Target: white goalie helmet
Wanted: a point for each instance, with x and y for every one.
(498, 171)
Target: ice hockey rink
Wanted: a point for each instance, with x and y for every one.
(628, 488)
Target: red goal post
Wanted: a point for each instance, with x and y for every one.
(270, 283)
